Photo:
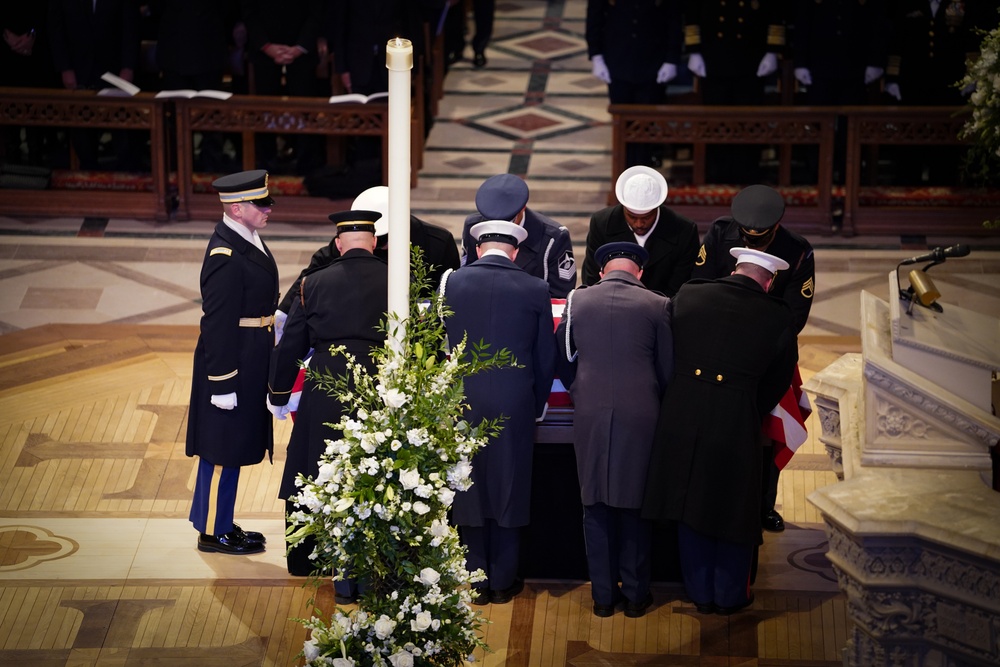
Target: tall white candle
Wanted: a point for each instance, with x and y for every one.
(399, 62)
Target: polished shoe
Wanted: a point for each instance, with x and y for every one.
(773, 522)
(638, 609)
(479, 60)
(705, 608)
(604, 610)
(229, 543)
(345, 599)
(726, 611)
(505, 595)
(251, 535)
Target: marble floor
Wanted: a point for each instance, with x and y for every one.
(98, 319)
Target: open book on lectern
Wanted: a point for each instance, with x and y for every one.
(358, 97)
(122, 88)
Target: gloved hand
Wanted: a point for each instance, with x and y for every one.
(293, 401)
(279, 411)
(803, 76)
(696, 64)
(768, 64)
(892, 89)
(872, 74)
(279, 325)
(599, 69)
(668, 72)
(224, 401)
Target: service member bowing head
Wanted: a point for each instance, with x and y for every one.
(641, 190)
(355, 229)
(245, 198)
(498, 235)
(621, 256)
(758, 265)
(757, 210)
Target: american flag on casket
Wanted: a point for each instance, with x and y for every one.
(559, 398)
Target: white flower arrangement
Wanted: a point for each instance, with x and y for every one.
(982, 78)
(378, 506)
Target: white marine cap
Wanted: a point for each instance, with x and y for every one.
(750, 256)
(375, 199)
(501, 231)
(640, 189)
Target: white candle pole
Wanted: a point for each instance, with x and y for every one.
(399, 62)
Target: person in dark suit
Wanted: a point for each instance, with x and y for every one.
(495, 301)
(634, 47)
(26, 62)
(616, 356)
(734, 355)
(483, 12)
(341, 303)
(192, 45)
(640, 217)
(547, 253)
(229, 425)
(440, 251)
(755, 223)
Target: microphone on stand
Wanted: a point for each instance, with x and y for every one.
(939, 254)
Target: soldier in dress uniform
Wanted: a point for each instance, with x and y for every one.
(495, 301)
(734, 355)
(640, 217)
(754, 223)
(229, 425)
(341, 303)
(616, 356)
(547, 253)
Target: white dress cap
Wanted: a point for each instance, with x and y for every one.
(640, 189)
(502, 231)
(375, 199)
(749, 255)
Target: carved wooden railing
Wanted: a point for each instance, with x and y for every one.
(704, 125)
(85, 109)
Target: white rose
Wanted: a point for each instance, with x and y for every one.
(401, 659)
(428, 576)
(384, 626)
(409, 478)
(394, 398)
(311, 650)
(421, 507)
(446, 496)
(421, 621)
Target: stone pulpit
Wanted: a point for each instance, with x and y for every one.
(914, 525)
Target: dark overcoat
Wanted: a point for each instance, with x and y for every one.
(339, 304)
(795, 285)
(734, 353)
(547, 253)
(635, 37)
(237, 281)
(497, 302)
(619, 333)
(672, 247)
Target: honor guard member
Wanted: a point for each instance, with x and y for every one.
(547, 253)
(440, 251)
(615, 339)
(671, 240)
(734, 355)
(229, 425)
(755, 223)
(341, 303)
(495, 301)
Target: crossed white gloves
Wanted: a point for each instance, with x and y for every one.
(667, 72)
(279, 411)
(768, 65)
(599, 69)
(224, 401)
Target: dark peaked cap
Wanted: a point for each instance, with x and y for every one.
(610, 251)
(355, 221)
(243, 186)
(502, 197)
(758, 207)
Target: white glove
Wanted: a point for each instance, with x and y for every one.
(293, 402)
(599, 69)
(668, 72)
(279, 411)
(279, 325)
(804, 76)
(872, 74)
(696, 64)
(224, 401)
(892, 89)
(768, 64)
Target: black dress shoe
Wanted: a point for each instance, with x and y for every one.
(706, 608)
(604, 610)
(479, 60)
(638, 609)
(773, 522)
(345, 599)
(251, 535)
(229, 543)
(505, 595)
(727, 611)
